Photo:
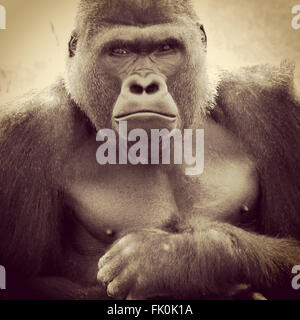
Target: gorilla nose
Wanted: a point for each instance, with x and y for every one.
(151, 85)
(138, 89)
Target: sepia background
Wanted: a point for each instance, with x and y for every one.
(240, 32)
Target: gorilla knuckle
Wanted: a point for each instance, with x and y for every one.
(103, 276)
(129, 250)
(132, 237)
(103, 260)
(100, 263)
(124, 241)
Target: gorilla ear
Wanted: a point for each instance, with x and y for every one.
(203, 34)
(73, 45)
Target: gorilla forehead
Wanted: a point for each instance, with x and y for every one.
(133, 12)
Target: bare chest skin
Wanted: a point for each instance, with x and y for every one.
(120, 198)
(109, 200)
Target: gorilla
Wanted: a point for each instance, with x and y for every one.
(73, 229)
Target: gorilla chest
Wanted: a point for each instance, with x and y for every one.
(120, 198)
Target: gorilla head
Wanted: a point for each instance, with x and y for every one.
(141, 61)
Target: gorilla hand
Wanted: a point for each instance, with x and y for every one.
(152, 263)
(206, 262)
(137, 266)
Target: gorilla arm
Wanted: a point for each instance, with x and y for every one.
(35, 133)
(209, 260)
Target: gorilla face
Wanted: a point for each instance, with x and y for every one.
(148, 72)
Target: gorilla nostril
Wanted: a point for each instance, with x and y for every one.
(136, 89)
(153, 88)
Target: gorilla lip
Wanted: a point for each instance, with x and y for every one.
(143, 114)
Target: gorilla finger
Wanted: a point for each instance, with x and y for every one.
(105, 275)
(104, 260)
(120, 286)
(257, 296)
(111, 254)
(110, 270)
(119, 245)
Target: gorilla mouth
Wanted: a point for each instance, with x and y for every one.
(145, 114)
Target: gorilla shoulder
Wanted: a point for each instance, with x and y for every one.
(35, 102)
(256, 85)
(36, 119)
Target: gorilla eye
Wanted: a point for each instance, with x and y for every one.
(165, 48)
(119, 52)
